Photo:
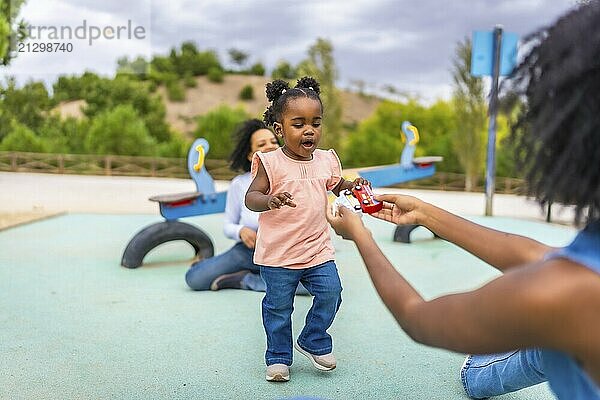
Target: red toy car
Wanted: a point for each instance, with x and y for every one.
(359, 199)
(366, 198)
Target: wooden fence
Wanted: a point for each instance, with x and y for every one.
(85, 164)
(456, 182)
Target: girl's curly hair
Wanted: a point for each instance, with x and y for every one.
(242, 136)
(279, 94)
(560, 78)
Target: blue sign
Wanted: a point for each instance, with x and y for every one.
(482, 54)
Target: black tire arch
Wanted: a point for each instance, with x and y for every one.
(162, 232)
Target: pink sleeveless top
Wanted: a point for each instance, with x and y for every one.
(297, 237)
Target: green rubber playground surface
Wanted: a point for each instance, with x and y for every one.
(76, 325)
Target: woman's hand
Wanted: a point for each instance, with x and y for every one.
(279, 200)
(399, 209)
(346, 223)
(248, 237)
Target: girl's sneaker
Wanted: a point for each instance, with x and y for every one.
(325, 362)
(278, 373)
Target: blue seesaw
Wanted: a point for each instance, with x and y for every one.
(205, 200)
(409, 169)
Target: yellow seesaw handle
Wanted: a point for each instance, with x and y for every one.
(415, 132)
(200, 163)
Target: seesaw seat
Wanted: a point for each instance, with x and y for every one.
(205, 200)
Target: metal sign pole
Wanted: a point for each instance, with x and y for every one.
(490, 175)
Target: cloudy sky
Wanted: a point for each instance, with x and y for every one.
(405, 43)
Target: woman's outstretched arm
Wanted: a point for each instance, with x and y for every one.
(499, 249)
(540, 304)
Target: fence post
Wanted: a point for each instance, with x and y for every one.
(13, 162)
(61, 164)
(107, 166)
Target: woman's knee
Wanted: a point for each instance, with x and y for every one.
(195, 278)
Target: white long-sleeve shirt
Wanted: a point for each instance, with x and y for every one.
(237, 215)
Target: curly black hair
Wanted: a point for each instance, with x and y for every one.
(279, 94)
(242, 136)
(560, 79)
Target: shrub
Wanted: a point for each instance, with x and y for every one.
(257, 69)
(64, 136)
(216, 75)
(21, 138)
(175, 91)
(216, 127)
(108, 94)
(120, 131)
(176, 147)
(378, 140)
(284, 70)
(247, 93)
(189, 81)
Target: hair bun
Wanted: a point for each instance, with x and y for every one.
(308, 82)
(275, 89)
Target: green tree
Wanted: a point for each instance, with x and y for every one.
(470, 110)
(378, 139)
(68, 88)
(284, 70)
(26, 105)
(204, 62)
(138, 67)
(11, 32)
(66, 136)
(120, 131)
(182, 62)
(509, 141)
(176, 147)
(257, 69)
(106, 94)
(435, 124)
(21, 138)
(175, 90)
(160, 64)
(216, 127)
(320, 64)
(188, 59)
(238, 57)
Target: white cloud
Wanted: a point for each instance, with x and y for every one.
(406, 43)
(90, 37)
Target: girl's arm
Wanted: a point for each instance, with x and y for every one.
(256, 197)
(539, 305)
(499, 249)
(258, 200)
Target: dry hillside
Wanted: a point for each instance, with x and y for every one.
(208, 95)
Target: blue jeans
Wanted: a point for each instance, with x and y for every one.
(202, 273)
(323, 282)
(238, 258)
(495, 374)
